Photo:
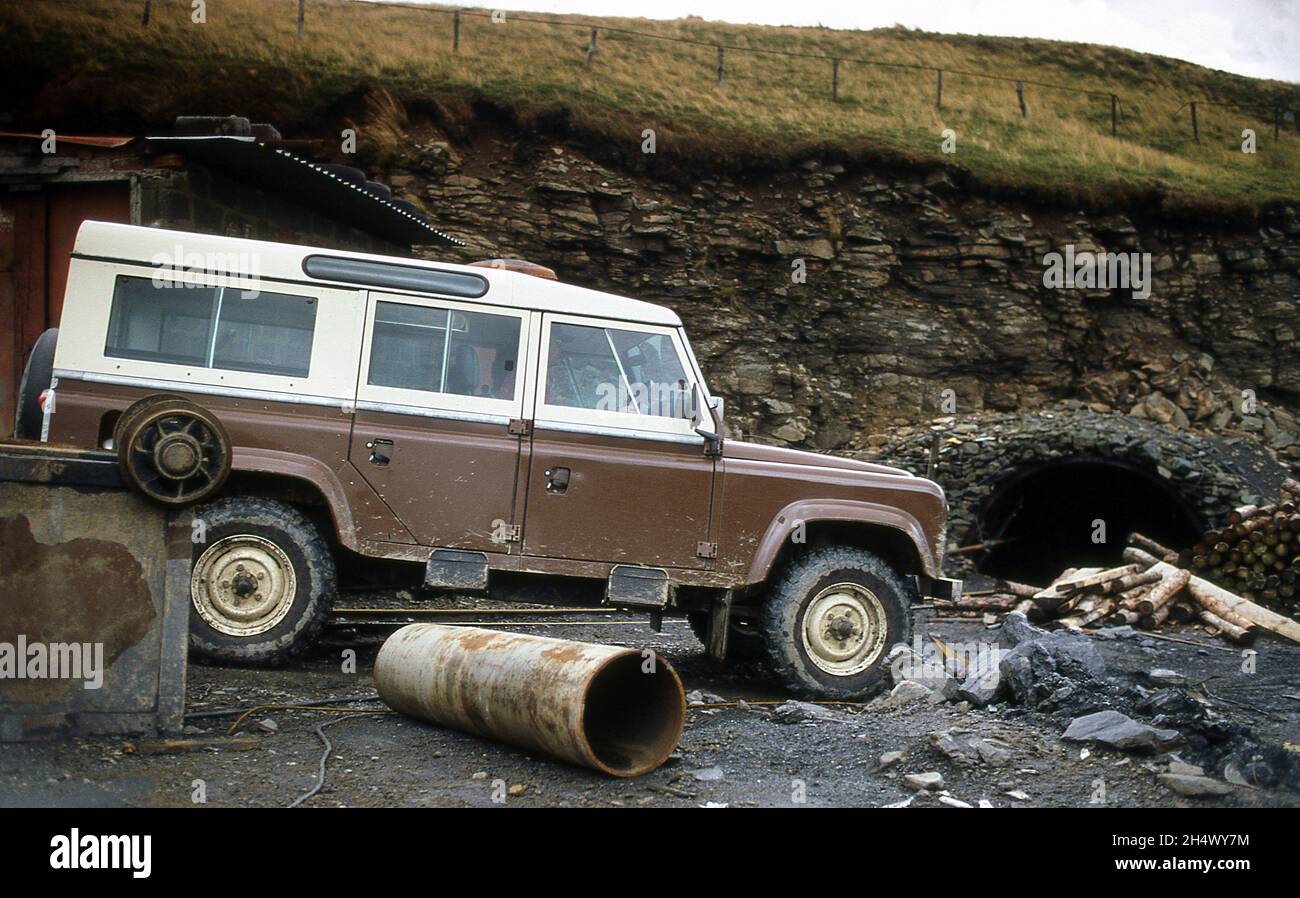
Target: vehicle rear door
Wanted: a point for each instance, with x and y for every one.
(438, 433)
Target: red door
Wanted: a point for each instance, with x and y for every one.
(37, 232)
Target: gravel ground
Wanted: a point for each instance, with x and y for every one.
(732, 756)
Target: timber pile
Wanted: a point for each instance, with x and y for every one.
(1259, 549)
(1256, 554)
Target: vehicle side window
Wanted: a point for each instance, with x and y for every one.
(211, 327)
(414, 349)
(612, 369)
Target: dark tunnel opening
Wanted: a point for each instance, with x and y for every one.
(1044, 516)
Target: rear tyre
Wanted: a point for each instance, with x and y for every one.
(37, 374)
(829, 621)
(262, 584)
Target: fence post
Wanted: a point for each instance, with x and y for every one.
(721, 65)
(1196, 130)
(148, 8)
(1114, 115)
(1277, 122)
(835, 80)
(938, 88)
(1020, 97)
(455, 31)
(591, 48)
(302, 15)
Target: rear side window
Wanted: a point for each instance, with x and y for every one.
(211, 327)
(612, 369)
(444, 351)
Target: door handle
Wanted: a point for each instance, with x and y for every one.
(557, 479)
(381, 452)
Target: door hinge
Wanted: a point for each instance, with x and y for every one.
(520, 427)
(706, 550)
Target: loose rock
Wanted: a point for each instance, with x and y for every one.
(1116, 730)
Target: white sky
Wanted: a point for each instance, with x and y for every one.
(1249, 37)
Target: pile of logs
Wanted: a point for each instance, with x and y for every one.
(1257, 553)
(1156, 585)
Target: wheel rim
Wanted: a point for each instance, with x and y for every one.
(844, 629)
(243, 585)
(176, 457)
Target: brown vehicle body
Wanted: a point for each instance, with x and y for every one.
(643, 504)
(674, 517)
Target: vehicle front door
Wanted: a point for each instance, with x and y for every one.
(440, 391)
(617, 473)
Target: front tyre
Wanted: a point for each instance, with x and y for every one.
(830, 619)
(262, 583)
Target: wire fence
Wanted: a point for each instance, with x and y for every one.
(1277, 113)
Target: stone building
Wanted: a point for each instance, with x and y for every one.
(230, 178)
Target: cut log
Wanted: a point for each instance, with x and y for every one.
(1124, 584)
(1081, 580)
(1239, 635)
(981, 603)
(1212, 602)
(1047, 599)
(1146, 544)
(1172, 581)
(1244, 608)
(1024, 590)
(1101, 609)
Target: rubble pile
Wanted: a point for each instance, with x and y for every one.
(1060, 673)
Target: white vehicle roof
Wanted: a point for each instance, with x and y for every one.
(283, 262)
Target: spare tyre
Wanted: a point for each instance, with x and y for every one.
(172, 451)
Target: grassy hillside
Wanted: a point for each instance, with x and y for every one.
(75, 63)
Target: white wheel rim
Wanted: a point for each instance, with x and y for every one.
(243, 585)
(844, 629)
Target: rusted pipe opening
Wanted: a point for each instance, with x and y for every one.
(1046, 515)
(632, 719)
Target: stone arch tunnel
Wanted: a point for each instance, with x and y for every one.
(1035, 487)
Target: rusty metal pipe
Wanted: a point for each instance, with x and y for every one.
(601, 706)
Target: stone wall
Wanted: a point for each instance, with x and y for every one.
(973, 458)
(914, 285)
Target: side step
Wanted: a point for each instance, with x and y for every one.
(457, 569)
(644, 587)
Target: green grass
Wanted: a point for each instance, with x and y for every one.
(78, 65)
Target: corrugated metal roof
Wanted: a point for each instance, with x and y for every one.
(107, 143)
(308, 183)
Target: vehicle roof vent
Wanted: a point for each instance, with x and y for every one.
(521, 265)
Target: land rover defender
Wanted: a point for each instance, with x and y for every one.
(482, 420)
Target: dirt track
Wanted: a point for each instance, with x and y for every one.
(728, 756)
